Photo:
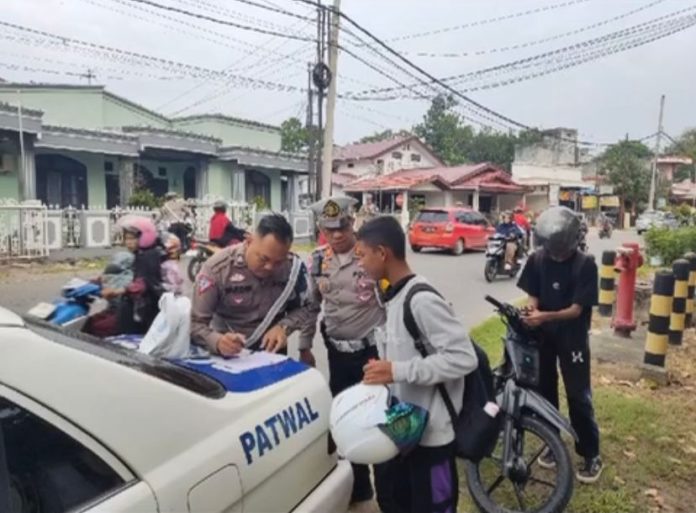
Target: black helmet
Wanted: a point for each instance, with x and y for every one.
(557, 231)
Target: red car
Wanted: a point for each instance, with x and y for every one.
(456, 229)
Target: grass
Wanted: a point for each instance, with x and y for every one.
(647, 439)
(303, 248)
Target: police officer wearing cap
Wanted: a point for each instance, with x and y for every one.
(351, 309)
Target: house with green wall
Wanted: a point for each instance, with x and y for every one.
(81, 145)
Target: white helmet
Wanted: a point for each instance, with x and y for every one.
(368, 429)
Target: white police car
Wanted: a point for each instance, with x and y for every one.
(88, 426)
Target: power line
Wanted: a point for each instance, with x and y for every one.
(581, 46)
(520, 46)
(199, 16)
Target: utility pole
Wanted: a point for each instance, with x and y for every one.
(311, 133)
(23, 185)
(89, 75)
(327, 150)
(658, 141)
(316, 77)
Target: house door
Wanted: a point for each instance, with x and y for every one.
(113, 191)
(61, 181)
(190, 183)
(258, 188)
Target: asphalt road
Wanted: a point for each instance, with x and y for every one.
(459, 279)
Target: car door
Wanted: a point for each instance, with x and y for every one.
(476, 234)
(52, 462)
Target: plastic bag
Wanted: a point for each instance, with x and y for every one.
(169, 335)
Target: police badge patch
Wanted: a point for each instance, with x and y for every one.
(203, 284)
(331, 209)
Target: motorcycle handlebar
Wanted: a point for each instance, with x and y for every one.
(494, 302)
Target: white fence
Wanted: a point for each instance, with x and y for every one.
(31, 230)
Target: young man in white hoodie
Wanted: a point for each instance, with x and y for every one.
(426, 479)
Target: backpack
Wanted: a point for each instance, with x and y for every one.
(476, 432)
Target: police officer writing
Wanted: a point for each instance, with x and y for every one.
(562, 286)
(351, 310)
(251, 295)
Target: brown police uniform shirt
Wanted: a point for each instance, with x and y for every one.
(227, 297)
(351, 307)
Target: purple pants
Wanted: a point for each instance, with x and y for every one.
(425, 481)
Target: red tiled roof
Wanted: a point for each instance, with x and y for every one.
(482, 176)
(369, 150)
(342, 179)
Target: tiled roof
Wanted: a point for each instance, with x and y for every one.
(482, 176)
(369, 150)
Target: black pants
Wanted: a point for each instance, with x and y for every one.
(574, 359)
(181, 230)
(346, 370)
(424, 481)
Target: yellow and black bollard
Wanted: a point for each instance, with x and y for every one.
(607, 280)
(690, 307)
(660, 312)
(677, 322)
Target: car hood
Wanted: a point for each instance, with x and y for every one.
(10, 319)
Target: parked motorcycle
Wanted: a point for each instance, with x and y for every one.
(511, 480)
(495, 258)
(72, 307)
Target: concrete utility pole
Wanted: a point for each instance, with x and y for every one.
(311, 134)
(23, 185)
(658, 141)
(327, 150)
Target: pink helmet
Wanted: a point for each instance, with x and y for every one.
(143, 227)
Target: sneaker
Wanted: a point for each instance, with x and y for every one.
(547, 460)
(590, 470)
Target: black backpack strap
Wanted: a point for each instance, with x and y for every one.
(412, 328)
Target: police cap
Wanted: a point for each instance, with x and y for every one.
(333, 212)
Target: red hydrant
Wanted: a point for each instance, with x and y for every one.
(628, 260)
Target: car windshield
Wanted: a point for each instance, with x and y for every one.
(432, 216)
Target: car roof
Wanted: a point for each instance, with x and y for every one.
(141, 416)
(448, 209)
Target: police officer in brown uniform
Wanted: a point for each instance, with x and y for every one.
(252, 295)
(351, 310)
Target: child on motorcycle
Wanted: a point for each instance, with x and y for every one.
(172, 279)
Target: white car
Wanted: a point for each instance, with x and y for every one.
(89, 426)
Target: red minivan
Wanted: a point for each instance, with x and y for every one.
(456, 229)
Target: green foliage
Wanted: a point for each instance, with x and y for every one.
(670, 244)
(260, 203)
(384, 135)
(144, 198)
(626, 167)
(294, 136)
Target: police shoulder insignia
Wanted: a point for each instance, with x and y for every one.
(331, 209)
(203, 284)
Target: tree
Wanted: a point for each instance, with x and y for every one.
(443, 131)
(626, 166)
(294, 136)
(685, 146)
(384, 135)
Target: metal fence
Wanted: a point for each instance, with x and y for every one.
(31, 230)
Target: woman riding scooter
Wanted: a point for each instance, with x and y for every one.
(139, 299)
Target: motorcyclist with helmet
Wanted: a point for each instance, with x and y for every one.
(140, 298)
(513, 235)
(222, 231)
(562, 286)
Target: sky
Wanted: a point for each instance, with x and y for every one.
(604, 98)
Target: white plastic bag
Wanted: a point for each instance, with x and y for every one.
(169, 335)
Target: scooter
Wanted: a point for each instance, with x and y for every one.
(72, 307)
(605, 230)
(495, 258)
(510, 479)
(204, 250)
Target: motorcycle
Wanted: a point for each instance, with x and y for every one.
(511, 479)
(204, 250)
(72, 307)
(605, 230)
(495, 257)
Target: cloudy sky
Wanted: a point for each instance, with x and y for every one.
(603, 96)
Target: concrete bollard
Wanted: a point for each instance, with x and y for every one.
(677, 322)
(690, 307)
(658, 325)
(607, 277)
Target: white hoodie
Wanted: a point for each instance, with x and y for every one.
(451, 358)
